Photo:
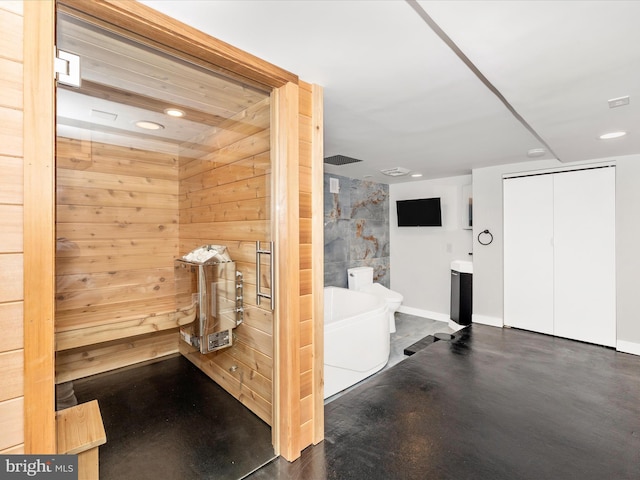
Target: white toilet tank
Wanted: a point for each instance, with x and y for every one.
(359, 277)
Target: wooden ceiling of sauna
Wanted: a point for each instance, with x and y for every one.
(124, 81)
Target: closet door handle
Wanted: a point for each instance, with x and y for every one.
(259, 294)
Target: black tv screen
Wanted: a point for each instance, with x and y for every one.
(420, 212)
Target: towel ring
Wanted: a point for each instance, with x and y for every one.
(485, 232)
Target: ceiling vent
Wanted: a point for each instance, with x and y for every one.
(396, 171)
(340, 160)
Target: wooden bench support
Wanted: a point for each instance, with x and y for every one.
(80, 431)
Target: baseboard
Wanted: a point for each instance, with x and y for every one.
(418, 312)
(628, 347)
(486, 320)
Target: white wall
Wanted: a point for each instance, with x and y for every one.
(421, 256)
(488, 267)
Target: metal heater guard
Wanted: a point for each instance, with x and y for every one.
(214, 290)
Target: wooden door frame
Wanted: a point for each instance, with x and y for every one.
(39, 228)
(143, 23)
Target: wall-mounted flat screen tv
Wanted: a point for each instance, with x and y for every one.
(420, 212)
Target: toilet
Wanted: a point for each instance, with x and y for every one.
(361, 279)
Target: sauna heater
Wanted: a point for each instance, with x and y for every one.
(211, 293)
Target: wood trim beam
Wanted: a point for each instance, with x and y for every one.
(151, 27)
(39, 228)
(286, 226)
(317, 241)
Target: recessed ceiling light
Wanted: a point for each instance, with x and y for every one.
(174, 112)
(149, 125)
(416, 175)
(536, 152)
(610, 135)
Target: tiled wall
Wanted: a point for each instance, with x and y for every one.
(356, 230)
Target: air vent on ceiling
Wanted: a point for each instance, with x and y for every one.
(340, 160)
(395, 172)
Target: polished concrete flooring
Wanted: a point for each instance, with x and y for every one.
(167, 420)
(498, 404)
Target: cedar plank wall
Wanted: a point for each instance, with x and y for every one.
(117, 236)
(307, 408)
(11, 233)
(225, 200)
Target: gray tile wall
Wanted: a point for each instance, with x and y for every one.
(356, 230)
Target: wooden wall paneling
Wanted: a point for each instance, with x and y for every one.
(15, 450)
(11, 131)
(12, 423)
(39, 227)
(11, 14)
(252, 231)
(83, 362)
(11, 378)
(11, 181)
(317, 241)
(115, 272)
(285, 128)
(210, 365)
(11, 92)
(11, 284)
(11, 236)
(11, 326)
(78, 337)
(11, 239)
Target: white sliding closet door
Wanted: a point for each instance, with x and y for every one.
(528, 253)
(584, 255)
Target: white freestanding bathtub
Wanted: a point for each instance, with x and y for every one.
(356, 337)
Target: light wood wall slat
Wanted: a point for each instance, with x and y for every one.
(87, 214)
(83, 362)
(11, 132)
(11, 374)
(11, 180)
(13, 6)
(11, 81)
(306, 202)
(88, 231)
(244, 189)
(257, 404)
(12, 225)
(306, 232)
(12, 33)
(79, 337)
(11, 326)
(113, 181)
(228, 231)
(99, 315)
(11, 276)
(306, 307)
(85, 281)
(114, 198)
(15, 450)
(12, 423)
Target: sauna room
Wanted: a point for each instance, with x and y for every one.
(168, 142)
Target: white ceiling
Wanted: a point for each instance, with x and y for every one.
(397, 95)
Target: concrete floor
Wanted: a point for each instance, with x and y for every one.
(168, 420)
(498, 404)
